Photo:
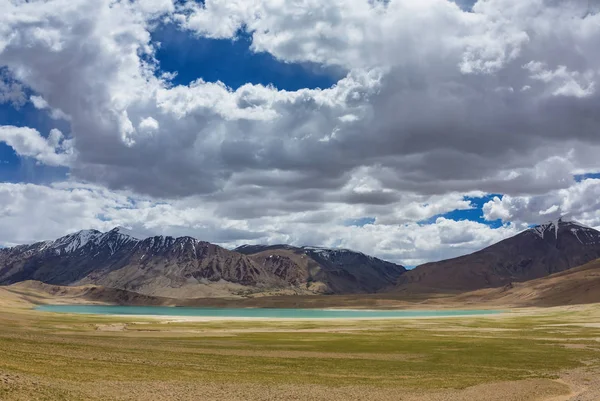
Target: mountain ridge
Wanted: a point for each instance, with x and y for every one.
(187, 267)
(178, 266)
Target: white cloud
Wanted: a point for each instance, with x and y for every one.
(27, 142)
(566, 83)
(580, 201)
(149, 125)
(41, 104)
(38, 102)
(419, 107)
(35, 212)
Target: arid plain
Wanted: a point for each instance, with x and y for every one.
(535, 353)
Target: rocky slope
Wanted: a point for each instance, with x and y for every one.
(158, 265)
(579, 285)
(537, 252)
(326, 270)
(187, 268)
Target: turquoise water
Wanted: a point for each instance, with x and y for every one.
(257, 312)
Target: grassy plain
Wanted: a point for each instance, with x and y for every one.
(535, 354)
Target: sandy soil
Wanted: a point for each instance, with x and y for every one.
(183, 319)
(584, 384)
(576, 385)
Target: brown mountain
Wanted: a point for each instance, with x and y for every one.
(538, 252)
(326, 270)
(187, 268)
(163, 266)
(579, 285)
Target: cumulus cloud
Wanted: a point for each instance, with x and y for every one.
(54, 150)
(580, 201)
(421, 118)
(421, 103)
(32, 213)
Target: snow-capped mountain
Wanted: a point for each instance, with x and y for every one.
(75, 243)
(327, 253)
(184, 266)
(551, 230)
(156, 265)
(542, 250)
(85, 240)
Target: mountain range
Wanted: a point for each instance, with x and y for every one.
(185, 267)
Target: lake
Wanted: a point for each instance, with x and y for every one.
(257, 312)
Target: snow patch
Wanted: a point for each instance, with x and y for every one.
(328, 253)
(583, 233)
(574, 231)
(44, 245)
(76, 241)
(542, 228)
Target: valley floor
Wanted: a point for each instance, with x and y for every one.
(550, 354)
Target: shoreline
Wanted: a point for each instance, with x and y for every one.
(191, 319)
(391, 314)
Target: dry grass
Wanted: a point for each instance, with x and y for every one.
(520, 356)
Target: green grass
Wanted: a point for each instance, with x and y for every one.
(424, 355)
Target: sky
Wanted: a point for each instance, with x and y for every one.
(411, 130)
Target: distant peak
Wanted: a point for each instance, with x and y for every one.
(328, 252)
(544, 228)
(76, 241)
(320, 248)
(80, 234)
(553, 227)
(137, 234)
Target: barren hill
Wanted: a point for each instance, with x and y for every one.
(324, 269)
(580, 285)
(537, 252)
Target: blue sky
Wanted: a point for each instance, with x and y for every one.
(465, 4)
(581, 177)
(19, 169)
(474, 214)
(233, 62)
